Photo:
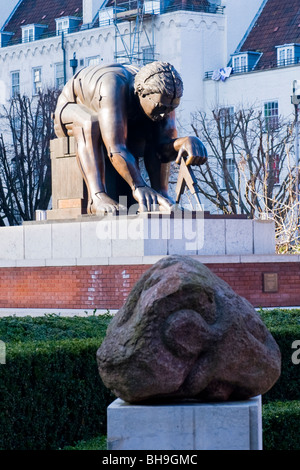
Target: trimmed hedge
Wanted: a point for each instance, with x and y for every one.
(96, 443)
(281, 406)
(51, 394)
(52, 327)
(281, 425)
(284, 325)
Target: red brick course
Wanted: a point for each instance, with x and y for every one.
(107, 287)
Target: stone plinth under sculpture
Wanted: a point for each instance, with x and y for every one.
(184, 334)
(185, 425)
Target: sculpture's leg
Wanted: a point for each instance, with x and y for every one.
(83, 125)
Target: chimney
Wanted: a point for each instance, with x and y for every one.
(89, 9)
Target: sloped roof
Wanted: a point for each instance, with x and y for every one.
(278, 24)
(41, 12)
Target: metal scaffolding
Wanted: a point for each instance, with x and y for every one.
(134, 31)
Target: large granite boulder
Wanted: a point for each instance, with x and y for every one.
(184, 333)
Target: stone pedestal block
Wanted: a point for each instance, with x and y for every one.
(185, 426)
(69, 198)
(90, 238)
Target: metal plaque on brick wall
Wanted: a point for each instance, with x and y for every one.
(270, 282)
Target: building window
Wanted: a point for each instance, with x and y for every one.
(226, 116)
(286, 55)
(231, 171)
(15, 83)
(240, 64)
(62, 25)
(28, 34)
(230, 176)
(67, 24)
(32, 32)
(236, 64)
(59, 75)
(245, 61)
(271, 115)
(93, 60)
(37, 80)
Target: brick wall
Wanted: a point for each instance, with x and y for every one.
(106, 287)
(247, 280)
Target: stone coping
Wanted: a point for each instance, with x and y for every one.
(145, 260)
(66, 312)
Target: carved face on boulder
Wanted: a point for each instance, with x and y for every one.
(183, 333)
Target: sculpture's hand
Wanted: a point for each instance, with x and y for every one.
(102, 204)
(149, 200)
(194, 150)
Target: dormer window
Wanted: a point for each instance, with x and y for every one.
(244, 61)
(67, 24)
(28, 34)
(32, 32)
(240, 63)
(62, 25)
(5, 37)
(288, 54)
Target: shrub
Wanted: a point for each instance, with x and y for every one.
(281, 425)
(52, 327)
(284, 325)
(51, 391)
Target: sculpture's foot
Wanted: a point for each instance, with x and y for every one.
(102, 204)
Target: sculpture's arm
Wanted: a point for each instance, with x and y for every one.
(112, 118)
(171, 147)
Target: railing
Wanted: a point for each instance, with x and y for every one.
(287, 62)
(14, 41)
(197, 8)
(244, 69)
(236, 70)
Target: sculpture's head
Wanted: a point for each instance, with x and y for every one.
(159, 88)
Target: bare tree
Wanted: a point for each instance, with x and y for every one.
(250, 169)
(25, 167)
(243, 144)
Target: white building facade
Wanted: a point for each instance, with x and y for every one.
(194, 39)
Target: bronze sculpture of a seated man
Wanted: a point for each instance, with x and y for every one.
(119, 113)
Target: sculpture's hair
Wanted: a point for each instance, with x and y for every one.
(158, 77)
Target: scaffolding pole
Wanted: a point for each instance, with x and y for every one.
(137, 39)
